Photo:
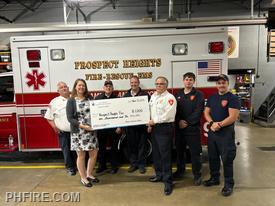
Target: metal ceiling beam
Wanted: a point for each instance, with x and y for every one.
(97, 10)
(132, 25)
(6, 19)
(31, 8)
(114, 2)
(252, 9)
(156, 10)
(7, 1)
(24, 5)
(188, 8)
(76, 5)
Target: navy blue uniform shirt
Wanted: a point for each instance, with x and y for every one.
(189, 106)
(219, 105)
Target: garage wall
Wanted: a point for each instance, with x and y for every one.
(248, 58)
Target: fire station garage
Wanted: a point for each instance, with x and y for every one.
(137, 102)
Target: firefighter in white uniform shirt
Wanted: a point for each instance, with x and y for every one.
(57, 118)
(163, 110)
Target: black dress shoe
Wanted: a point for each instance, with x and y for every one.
(211, 182)
(86, 184)
(227, 191)
(197, 181)
(100, 169)
(114, 171)
(132, 169)
(142, 170)
(93, 179)
(71, 172)
(168, 189)
(155, 179)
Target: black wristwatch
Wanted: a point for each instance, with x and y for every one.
(211, 123)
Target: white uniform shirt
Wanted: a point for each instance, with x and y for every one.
(57, 112)
(163, 107)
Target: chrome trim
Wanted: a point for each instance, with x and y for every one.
(40, 150)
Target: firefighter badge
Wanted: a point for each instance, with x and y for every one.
(224, 103)
(192, 97)
(171, 101)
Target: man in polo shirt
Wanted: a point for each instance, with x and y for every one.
(57, 118)
(221, 112)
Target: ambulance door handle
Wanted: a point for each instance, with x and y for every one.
(43, 112)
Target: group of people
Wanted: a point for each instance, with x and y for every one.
(178, 114)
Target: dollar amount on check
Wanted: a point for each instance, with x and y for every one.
(119, 112)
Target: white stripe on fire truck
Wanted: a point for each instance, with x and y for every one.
(7, 110)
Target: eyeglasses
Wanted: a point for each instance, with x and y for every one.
(159, 84)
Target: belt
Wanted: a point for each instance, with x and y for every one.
(60, 131)
(164, 124)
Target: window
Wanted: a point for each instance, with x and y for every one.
(6, 89)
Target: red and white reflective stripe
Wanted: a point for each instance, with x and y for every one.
(32, 105)
(7, 105)
(7, 110)
(30, 110)
(30, 115)
(5, 115)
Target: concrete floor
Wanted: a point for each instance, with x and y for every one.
(254, 177)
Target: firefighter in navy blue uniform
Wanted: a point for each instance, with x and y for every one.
(221, 111)
(190, 106)
(107, 136)
(163, 106)
(136, 135)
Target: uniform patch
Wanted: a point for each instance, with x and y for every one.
(171, 101)
(224, 103)
(192, 97)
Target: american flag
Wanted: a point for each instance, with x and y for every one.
(211, 67)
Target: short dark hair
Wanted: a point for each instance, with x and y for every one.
(189, 75)
(134, 77)
(108, 82)
(223, 77)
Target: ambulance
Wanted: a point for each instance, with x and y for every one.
(40, 62)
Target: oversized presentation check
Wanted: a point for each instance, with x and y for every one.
(119, 112)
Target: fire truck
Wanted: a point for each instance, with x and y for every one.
(40, 62)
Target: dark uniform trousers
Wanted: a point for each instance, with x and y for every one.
(65, 144)
(193, 141)
(106, 138)
(162, 140)
(136, 140)
(222, 145)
